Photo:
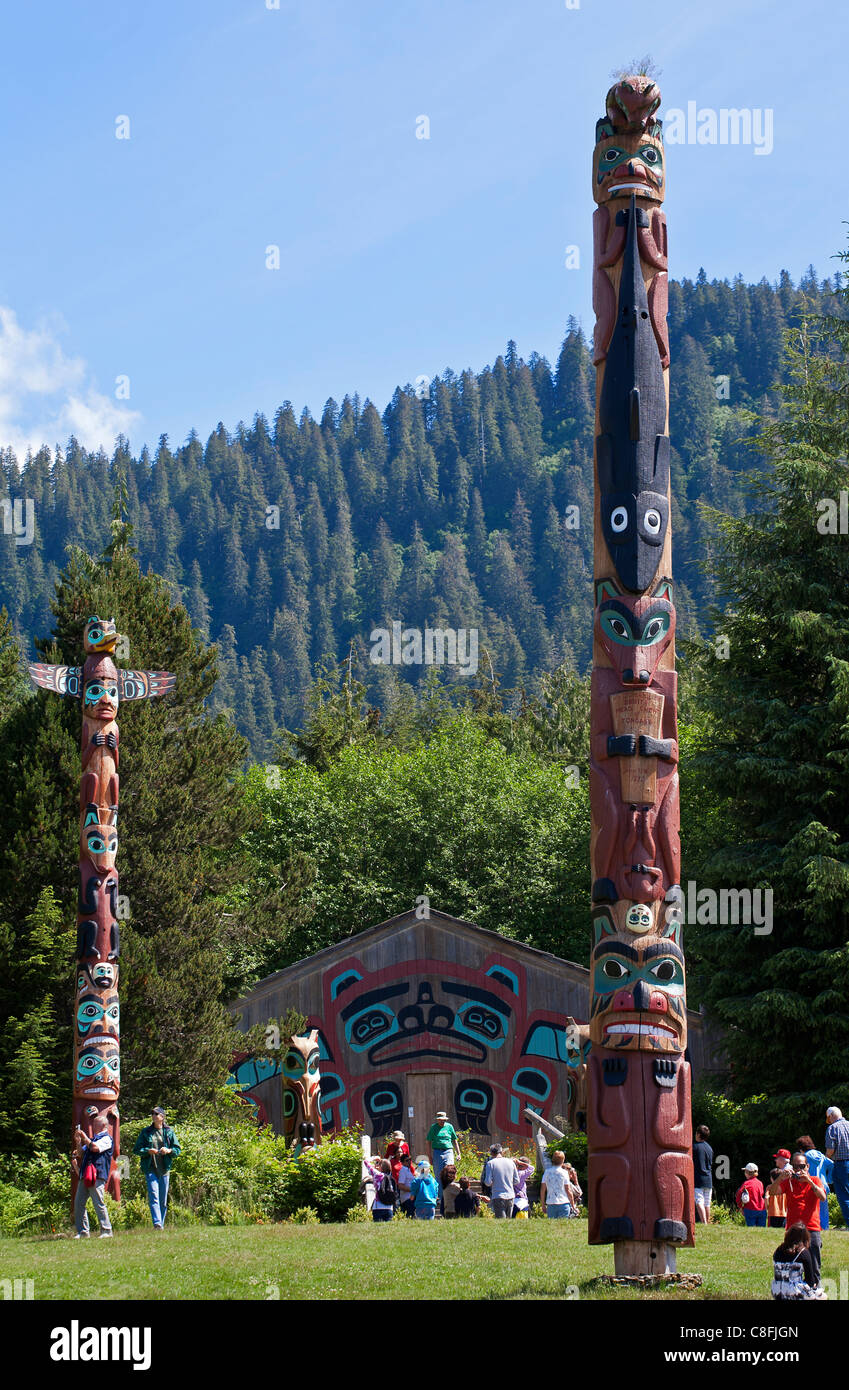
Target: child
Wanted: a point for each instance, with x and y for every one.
(385, 1190)
(776, 1203)
(466, 1203)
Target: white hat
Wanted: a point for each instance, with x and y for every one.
(750, 1168)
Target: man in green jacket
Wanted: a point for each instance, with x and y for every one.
(156, 1146)
(442, 1137)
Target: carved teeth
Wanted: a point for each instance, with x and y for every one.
(645, 1029)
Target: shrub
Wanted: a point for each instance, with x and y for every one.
(361, 1213)
(326, 1179)
(835, 1215)
(18, 1209)
(305, 1216)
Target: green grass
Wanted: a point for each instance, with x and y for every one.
(447, 1259)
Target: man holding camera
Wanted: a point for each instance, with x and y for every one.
(804, 1195)
(91, 1161)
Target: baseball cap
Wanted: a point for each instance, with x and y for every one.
(750, 1168)
(782, 1153)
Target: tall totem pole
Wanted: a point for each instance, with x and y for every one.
(639, 1128)
(101, 686)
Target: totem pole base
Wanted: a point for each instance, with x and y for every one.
(641, 1257)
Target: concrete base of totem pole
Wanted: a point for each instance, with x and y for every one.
(640, 1257)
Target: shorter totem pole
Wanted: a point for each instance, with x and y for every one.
(302, 1092)
(101, 686)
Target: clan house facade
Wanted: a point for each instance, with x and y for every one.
(419, 1015)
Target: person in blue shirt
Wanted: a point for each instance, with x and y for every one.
(92, 1150)
(837, 1149)
(424, 1192)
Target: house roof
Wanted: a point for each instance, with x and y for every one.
(401, 921)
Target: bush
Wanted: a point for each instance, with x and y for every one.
(361, 1213)
(326, 1179)
(835, 1215)
(305, 1216)
(18, 1209)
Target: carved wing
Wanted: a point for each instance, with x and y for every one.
(65, 680)
(144, 685)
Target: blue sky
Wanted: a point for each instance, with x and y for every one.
(295, 127)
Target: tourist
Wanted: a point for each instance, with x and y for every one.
(445, 1146)
(466, 1203)
(576, 1194)
(776, 1201)
(398, 1152)
(521, 1201)
(837, 1149)
(157, 1146)
(804, 1195)
(450, 1189)
(499, 1174)
(782, 1159)
(819, 1167)
(404, 1179)
(794, 1277)
(425, 1192)
(703, 1173)
(91, 1161)
(555, 1189)
(385, 1190)
(750, 1197)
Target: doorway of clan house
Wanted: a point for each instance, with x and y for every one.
(426, 1092)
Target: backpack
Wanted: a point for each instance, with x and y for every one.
(788, 1283)
(387, 1193)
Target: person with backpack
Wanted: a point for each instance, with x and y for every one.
(425, 1192)
(386, 1190)
(91, 1162)
(794, 1277)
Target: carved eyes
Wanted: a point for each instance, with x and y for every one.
(619, 519)
(653, 521)
(650, 154)
(652, 629)
(619, 627)
(664, 970)
(614, 969)
(611, 156)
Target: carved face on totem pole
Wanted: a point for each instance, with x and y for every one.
(301, 1089)
(99, 837)
(634, 633)
(100, 692)
(637, 981)
(100, 635)
(97, 1076)
(628, 154)
(97, 1013)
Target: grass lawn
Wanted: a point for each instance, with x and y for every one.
(451, 1259)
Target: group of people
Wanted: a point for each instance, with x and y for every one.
(795, 1200)
(91, 1162)
(419, 1188)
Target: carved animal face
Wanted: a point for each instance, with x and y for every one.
(631, 103)
(98, 1070)
(100, 635)
(99, 838)
(98, 1013)
(301, 1085)
(638, 989)
(634, 633)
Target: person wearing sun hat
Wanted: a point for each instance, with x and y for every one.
(398, 1152)
(444, 1143)
(750, 1197)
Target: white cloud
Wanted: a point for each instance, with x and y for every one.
(45, 396)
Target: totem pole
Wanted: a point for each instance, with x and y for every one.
(101, 686)
(640, 1190)
(302, 1092)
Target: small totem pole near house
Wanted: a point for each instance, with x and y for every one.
(302, 1092)
(101, 686)
(640, 1193)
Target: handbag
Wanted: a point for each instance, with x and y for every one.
(89, 1175)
